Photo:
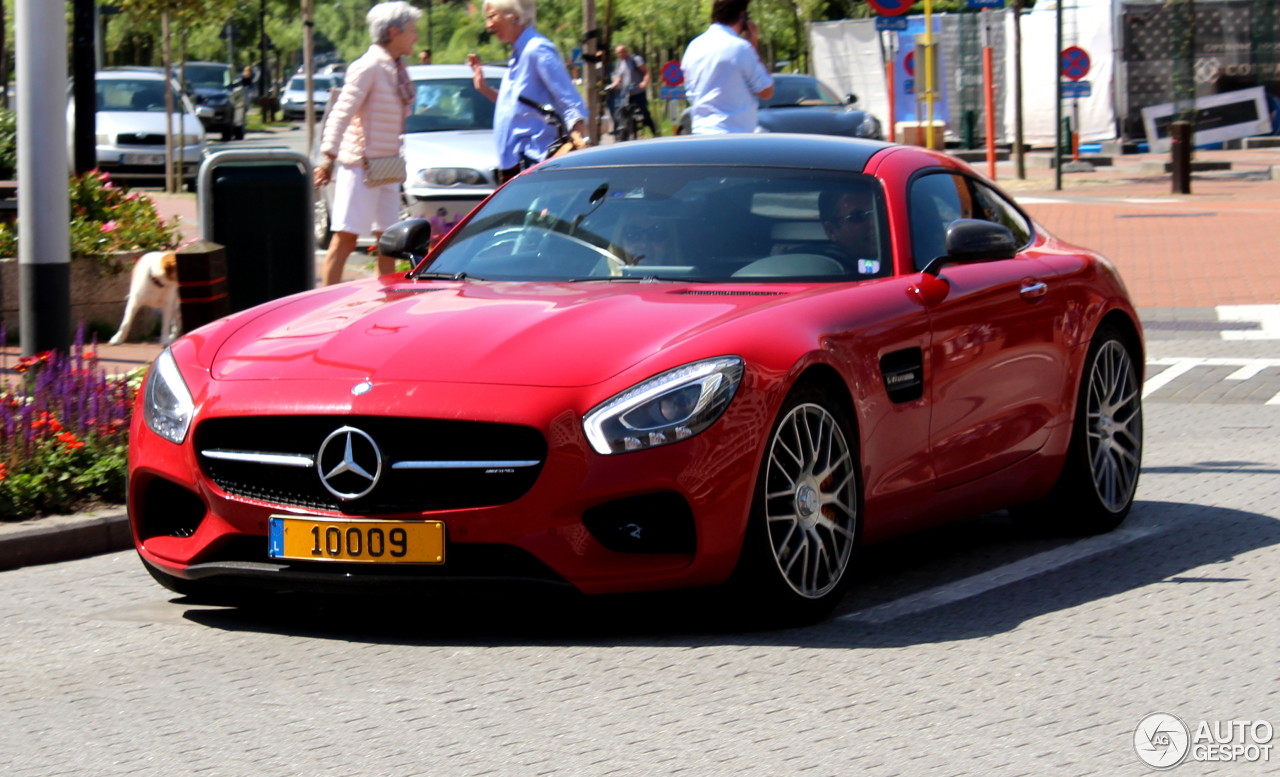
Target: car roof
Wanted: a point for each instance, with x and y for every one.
(130, 75)
(824, 152)
(427, 72)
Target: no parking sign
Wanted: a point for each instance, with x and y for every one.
(1075, 63)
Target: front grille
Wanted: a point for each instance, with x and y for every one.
(139, 139)
(444, 465)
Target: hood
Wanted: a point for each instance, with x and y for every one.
(209, 91)
(453, 148)
(813, 120)
(145, 123)
(532, 334)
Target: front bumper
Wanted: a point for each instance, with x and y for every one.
(597, 524)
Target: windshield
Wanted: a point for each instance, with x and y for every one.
(321, 83)
(789, 91)
(125, 94)
(207, 76)
(450, 104)
(684, 223)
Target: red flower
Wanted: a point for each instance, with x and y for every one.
(70, 441)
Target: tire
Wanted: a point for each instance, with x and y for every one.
(805, 514)
(1099, 478)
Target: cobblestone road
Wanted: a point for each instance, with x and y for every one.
(971, 650)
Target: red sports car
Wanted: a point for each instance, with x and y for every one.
(686, 362)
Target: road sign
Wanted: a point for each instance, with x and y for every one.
(892, 23)
(890, 7)
(672, 75)
(909, 62)
(986, 3)
(671, 93)
(1076, 89)
(1075, 63)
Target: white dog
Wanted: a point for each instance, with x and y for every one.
(154, 284)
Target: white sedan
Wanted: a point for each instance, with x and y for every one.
(130, 127)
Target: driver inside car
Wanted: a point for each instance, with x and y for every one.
(849, 218)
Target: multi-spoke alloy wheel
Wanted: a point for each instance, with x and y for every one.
(810, 500)
(1099, 477)
(1114, 426)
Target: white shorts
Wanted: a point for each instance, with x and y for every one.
(361, 209)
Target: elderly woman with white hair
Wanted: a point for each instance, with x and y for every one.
(536, 73)
(363, 135)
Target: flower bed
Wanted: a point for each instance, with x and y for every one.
(64, 432)
(110, 228)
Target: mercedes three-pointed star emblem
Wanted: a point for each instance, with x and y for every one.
(349, 463)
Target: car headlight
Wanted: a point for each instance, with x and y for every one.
(167, 406)
(449, 176)
(666, 408)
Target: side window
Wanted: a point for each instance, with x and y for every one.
(992, 207)
(936, 200)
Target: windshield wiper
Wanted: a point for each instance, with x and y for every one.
(629, 279)
(444, 276)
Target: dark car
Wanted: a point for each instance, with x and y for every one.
(218, 94)
(802, 103)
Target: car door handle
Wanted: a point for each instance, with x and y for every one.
(1032, 290)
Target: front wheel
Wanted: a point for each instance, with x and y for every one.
(805, 519)
(1099, 478)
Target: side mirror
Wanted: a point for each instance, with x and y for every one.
(975, 240)
(850, 99)
(409, 239)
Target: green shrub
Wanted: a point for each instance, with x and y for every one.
(107, 218)
(8, 146)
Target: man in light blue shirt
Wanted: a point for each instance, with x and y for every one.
(724, 77)
(535, 73)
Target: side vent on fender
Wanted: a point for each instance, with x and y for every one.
(903, 373)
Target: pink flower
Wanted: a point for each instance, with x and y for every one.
(110, 226)
(131, 196)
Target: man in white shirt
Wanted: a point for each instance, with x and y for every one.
(724, 77)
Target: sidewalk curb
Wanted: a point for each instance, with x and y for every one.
(64, 537)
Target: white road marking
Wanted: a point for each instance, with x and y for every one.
(1177, 368)
(1266, 316)
(1026, 568)
(1180, 365)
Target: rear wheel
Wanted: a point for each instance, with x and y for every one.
(1095, 491)
(805, 513)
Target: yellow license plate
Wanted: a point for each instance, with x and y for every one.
(340, 539)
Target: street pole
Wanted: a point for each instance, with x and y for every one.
(44, 237)
(86, 155)
(929, 76)
(263, 70)
(308, 63)
(590, 57)
(1019, 151)
(1057, 104)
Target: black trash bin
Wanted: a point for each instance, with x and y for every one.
(258, 205)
